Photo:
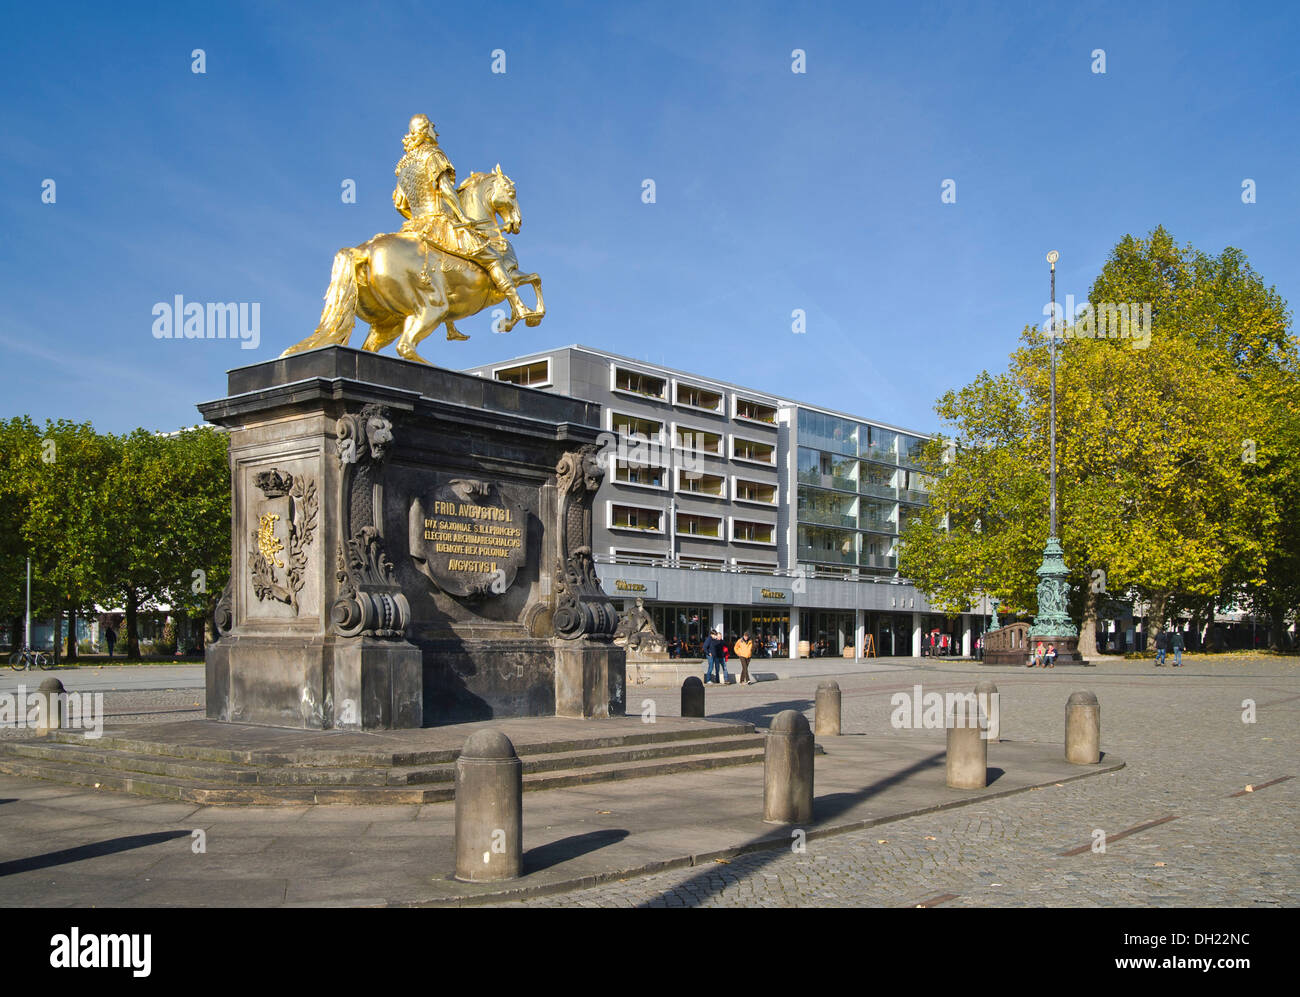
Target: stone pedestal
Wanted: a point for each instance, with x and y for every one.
(590, 680)
(409, 546)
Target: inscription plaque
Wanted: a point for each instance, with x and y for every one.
(468, 538)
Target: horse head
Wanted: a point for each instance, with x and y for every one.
(502, 197)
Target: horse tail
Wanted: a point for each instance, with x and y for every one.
(339, 316)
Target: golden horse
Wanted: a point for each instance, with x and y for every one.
(404, 288)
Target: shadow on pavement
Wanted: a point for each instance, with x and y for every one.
(95, 849)
(761, 716)
(706, 882)
(544, 856)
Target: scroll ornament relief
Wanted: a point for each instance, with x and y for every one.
(582, 609)
(370, 602)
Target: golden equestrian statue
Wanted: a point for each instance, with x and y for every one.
(450, 260)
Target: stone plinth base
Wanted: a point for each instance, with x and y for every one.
(323, 684)
(590, 680)
(1067, 650)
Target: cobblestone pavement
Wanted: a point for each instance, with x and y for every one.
(1188, 751)
(123, 707)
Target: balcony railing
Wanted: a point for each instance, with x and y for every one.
(888, 561)
(878, 490)
(827, 556)
(823, 518)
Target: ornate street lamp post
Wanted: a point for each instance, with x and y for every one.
(1052, 624)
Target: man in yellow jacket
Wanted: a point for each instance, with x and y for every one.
(744, 649)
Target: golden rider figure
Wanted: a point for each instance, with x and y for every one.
(426, 195)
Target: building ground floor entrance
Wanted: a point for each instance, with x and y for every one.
(826, 634)
(797, 632)
(768, 628)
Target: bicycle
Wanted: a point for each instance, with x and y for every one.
(24, 660)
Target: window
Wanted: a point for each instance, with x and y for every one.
(766, 567)
(880, 444)
(755, 411)
(697, 440)
(636, 383)
(828, 508)
(701, 398)
(828, 432)
(644, 475)
(909, 449)
(690, 525)
(635, 517)
(744, 531)
(532, 375)
(830, 546)
(877, 479)
(699, 483)
(913, 487)
(751, 450)
(630, 425)
(758, 492)
(877, 516)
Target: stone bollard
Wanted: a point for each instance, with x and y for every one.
(968, 750)
(692, 697)
(788, 770)
(489, 809)
(827, 716)
(986, 694)
(1082, 729)
(51, 706)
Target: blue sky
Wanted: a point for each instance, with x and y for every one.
(775, 191)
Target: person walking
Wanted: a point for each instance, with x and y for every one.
(744, 651)
(710, 650)
(1177, 642)
(722, 658)
(1162, 645)
(110, 638)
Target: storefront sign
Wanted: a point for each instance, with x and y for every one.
(772, 596)
(630, 588)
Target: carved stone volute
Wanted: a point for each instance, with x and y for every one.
(582, 609)
(370, 602)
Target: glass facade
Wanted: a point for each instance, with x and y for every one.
(687, 624)
(768, 628)
(853, 476)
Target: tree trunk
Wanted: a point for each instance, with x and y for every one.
(58, 627)
(1157, 617)
(72, 633)
(1088, 628)
(1276, 628)
(132, 631)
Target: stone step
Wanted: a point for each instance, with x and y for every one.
(92, 755)
(69, 771)
(378, 758)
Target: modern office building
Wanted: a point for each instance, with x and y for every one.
(731, 506)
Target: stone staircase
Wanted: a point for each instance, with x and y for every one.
(206, 771)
